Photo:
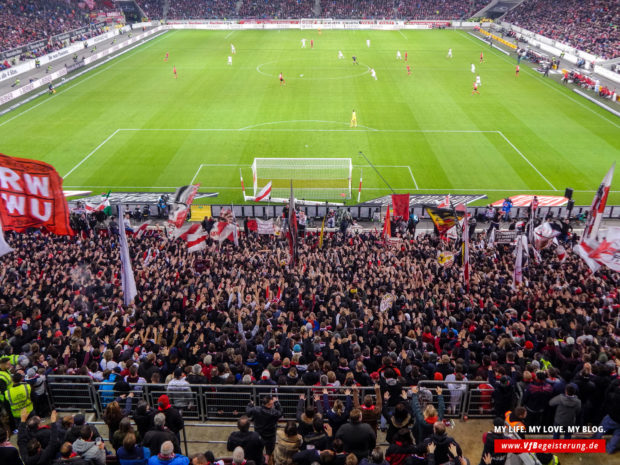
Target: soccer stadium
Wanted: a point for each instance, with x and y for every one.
(309, 232)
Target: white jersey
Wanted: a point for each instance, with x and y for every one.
(373, 73)
(233, 50)
(230, 60)
(340, 55)
(398, 55)
(367, 42)
(303, 43)
(473, 68)
(478, 81)
(449, 53)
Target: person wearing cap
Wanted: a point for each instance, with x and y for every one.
(167, 456)
(19, 397)
(265, 419)
(174, 420)
(39, 397)
(79, 420)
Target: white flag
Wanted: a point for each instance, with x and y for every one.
(265, 192)
(517, 275)
(128, 280)
(4, 247)
(265, 226)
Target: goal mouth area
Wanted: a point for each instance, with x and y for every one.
(312, 178)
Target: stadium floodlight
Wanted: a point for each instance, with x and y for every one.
(314, 179)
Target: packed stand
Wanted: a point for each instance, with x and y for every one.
(438, 9)
(154, 9)
(282, 9)
(365, 9)
(589, 25)
(25, 21)
(239, 315)
(191, 9)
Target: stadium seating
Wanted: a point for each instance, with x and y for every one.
(589, 25)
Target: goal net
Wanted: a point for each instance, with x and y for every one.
(320, 179)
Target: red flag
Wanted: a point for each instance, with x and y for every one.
(400, 204)
(445, 203)
(31, 193)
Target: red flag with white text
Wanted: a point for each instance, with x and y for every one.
(31, 196)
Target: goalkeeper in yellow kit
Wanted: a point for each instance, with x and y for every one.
(353, 120)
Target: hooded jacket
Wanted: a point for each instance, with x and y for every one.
(286, 447)
(89, 450)
(567, 409)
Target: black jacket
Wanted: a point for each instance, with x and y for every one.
(46, 455)
(489, 448)
(250, 442)
(442, 442)
(154, 438)
(265, 420)
(72, 461)
(358, 438)
(174, 421)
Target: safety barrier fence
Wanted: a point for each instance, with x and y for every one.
(203, 403)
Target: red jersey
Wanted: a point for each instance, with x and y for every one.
(174, 69)
(405, 56)
(517, 68)
(281, 78)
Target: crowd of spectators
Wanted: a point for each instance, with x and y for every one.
(439, 9)
(154, 9)
(260, 9)
(230, 315)
(25, 21)
(191, 9)
(589, 25)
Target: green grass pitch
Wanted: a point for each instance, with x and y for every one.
(130, 126)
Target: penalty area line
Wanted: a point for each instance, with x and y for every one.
(91, 154)
(526, 159)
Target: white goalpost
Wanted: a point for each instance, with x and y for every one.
(314, 179)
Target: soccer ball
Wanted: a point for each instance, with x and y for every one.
(301, 75)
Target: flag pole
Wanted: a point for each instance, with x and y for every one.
(359, 192)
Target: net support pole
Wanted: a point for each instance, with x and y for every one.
(359, 192)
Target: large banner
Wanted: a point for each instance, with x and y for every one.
(31, 196)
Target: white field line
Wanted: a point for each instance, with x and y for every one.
(230, 33)
(525, 158)
(63, 90)
(90, 154)
(414, 181)
(254, 128)
(444, 189)
(196, 175)
(401, 33)
(552, 86)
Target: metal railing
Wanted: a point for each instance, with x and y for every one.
(213, 402)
